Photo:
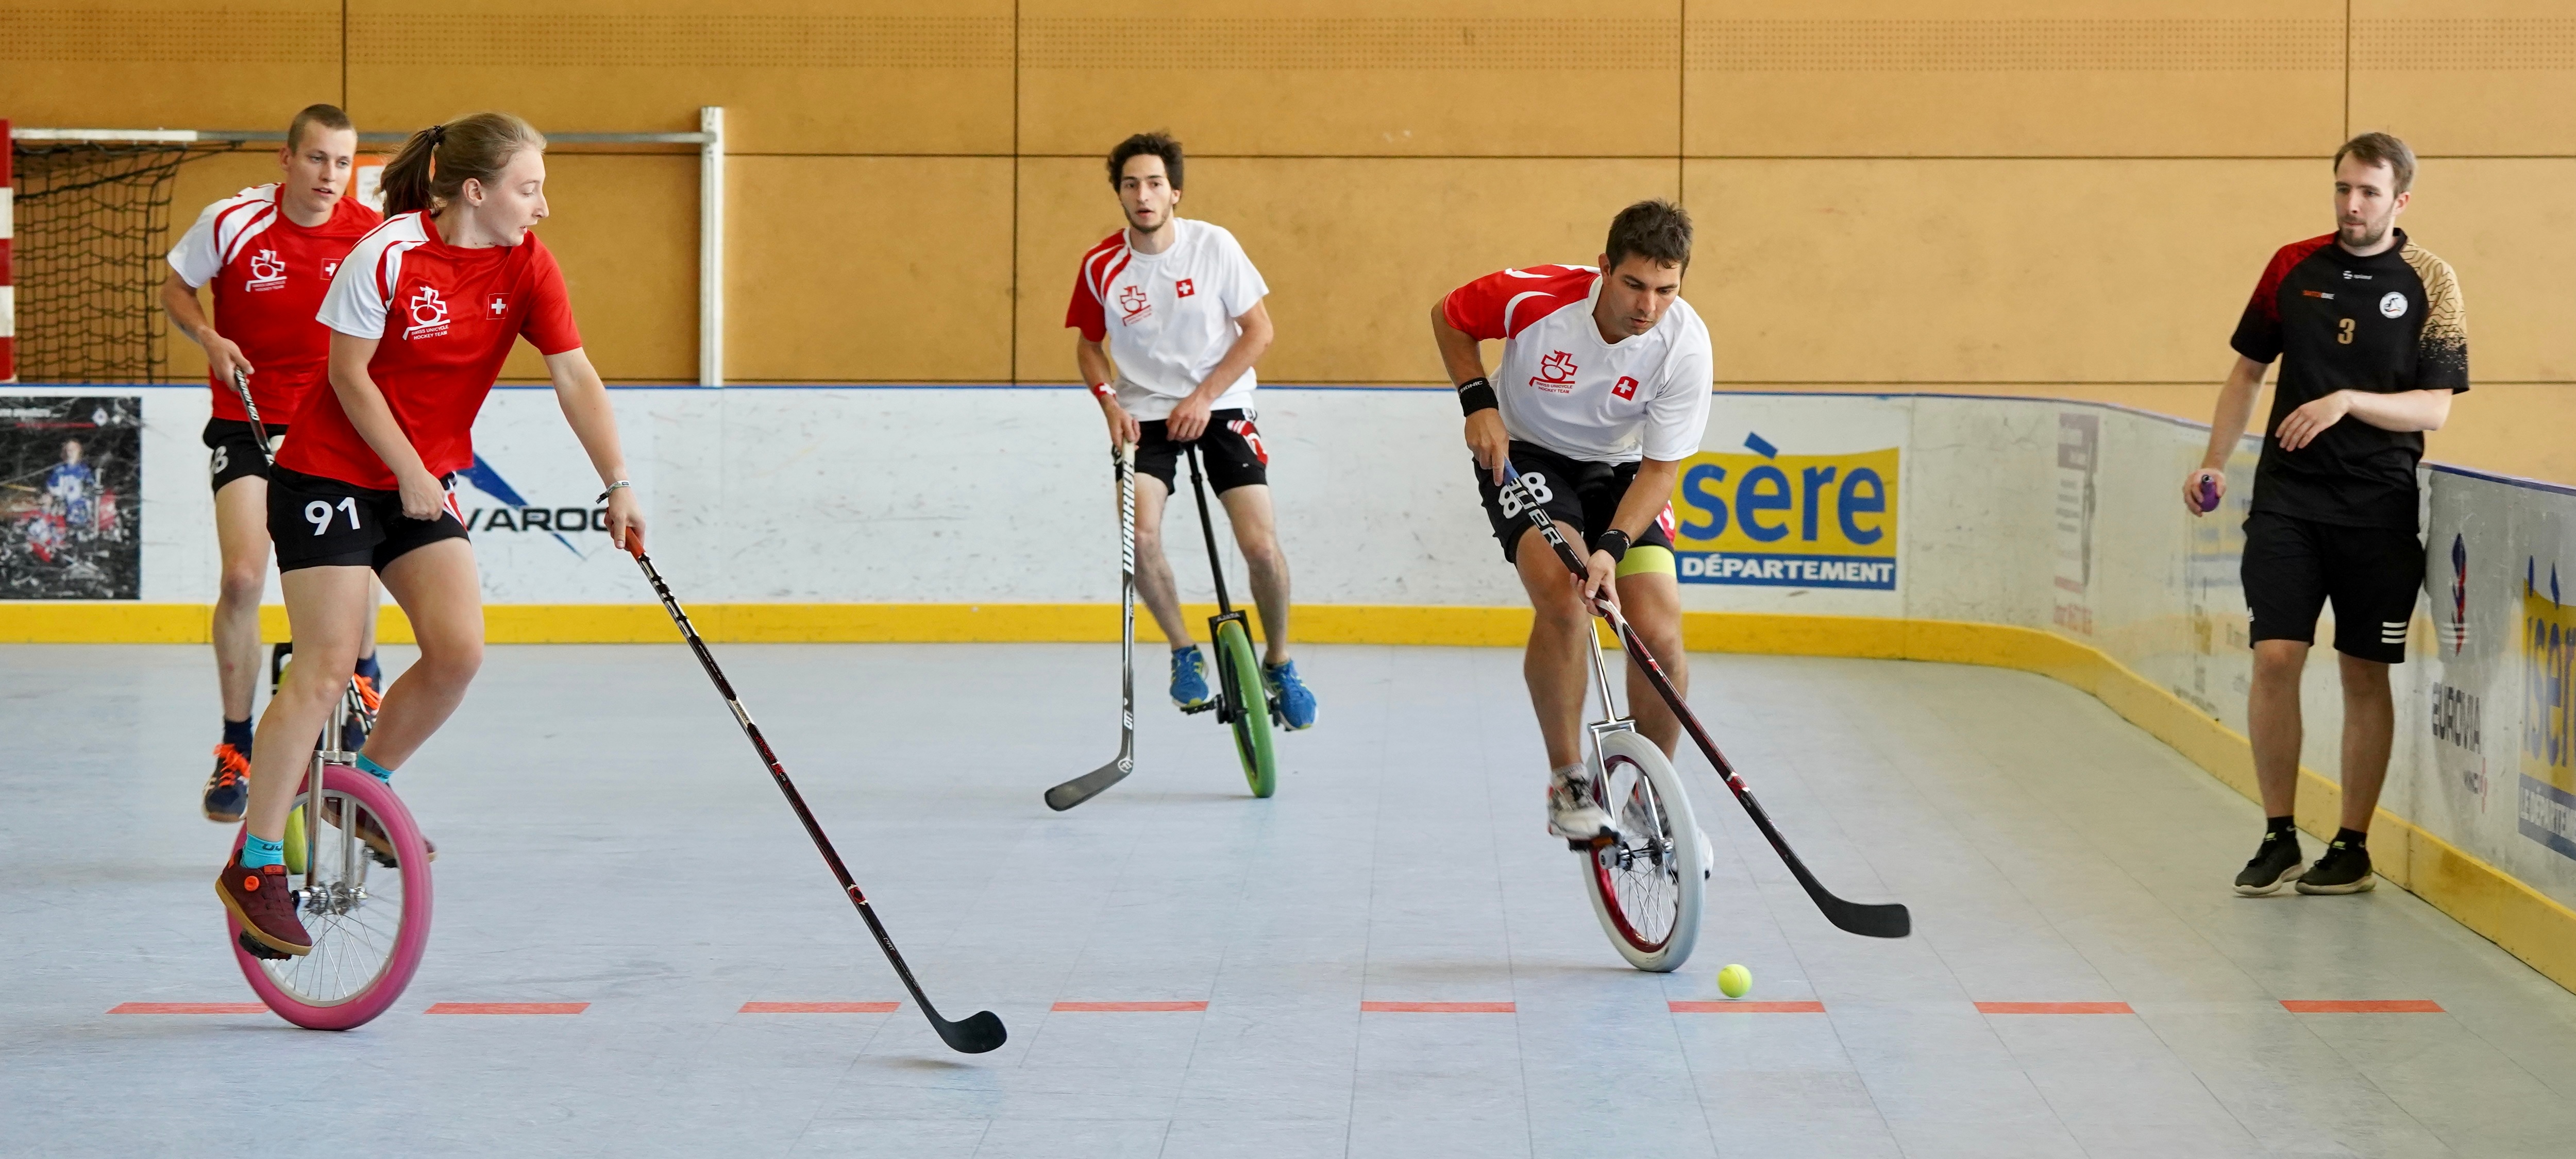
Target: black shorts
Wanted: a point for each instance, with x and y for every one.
(236, 451)
(1231, 448)
(2293, 566)
(1581, 495)
(318, 522)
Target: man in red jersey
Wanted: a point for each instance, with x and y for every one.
(2373, 343)
(269, 252)
(422, 315)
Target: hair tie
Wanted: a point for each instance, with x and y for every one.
(437, 135)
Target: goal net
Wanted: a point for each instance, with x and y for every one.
(91, 219)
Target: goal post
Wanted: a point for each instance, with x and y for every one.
(99, 204)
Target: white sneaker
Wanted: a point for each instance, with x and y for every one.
(1571, 812)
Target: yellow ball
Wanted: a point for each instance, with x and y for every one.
(1735, 981)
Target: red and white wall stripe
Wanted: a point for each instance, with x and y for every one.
(8, 291)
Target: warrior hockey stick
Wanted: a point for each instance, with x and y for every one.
(241, 386)
(975, 1035)
(1869, 921)
(1093, 783)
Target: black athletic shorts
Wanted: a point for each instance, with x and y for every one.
(2293, 566)
(1231, 448)
(236, 451)
(1581, 495)
(318, 522)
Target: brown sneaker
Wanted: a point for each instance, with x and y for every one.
(261, 901)
(374, 835)
(228, 787)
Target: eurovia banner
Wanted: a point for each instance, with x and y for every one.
(1760, 518)
(2548, 813)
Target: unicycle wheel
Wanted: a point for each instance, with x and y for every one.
(1241, 672)
(369, 924)
(1647, 887)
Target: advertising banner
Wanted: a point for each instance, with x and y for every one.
(70, 477)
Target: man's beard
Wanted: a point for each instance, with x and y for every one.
(1131, 223)
(2375, 233)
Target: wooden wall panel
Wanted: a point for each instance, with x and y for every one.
(869, 269)
(625, 230)
(1875, 78)
(1351, 77)
(2500, 223)
(1961, 272)
(1356, 251)
(146, 64)
(797, 76)
(2467, 76)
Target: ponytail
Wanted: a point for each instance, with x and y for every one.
(436, 162)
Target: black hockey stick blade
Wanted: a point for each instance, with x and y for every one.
(977, 1033)
(1088, 785)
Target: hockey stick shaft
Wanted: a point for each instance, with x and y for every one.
(796, 800)
(1878, 921)
(241, 386)
(1093, 783)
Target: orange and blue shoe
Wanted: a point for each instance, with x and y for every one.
(228, 787)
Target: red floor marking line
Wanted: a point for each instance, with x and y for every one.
(1437, 1007)
(819, 1007)
(507, 1008)
(189, 1008)
(2400, 1006)
(1125, 1007)
(2054, 1008)
(1733, 1007)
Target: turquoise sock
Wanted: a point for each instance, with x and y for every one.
(372, 769)
(256, 852)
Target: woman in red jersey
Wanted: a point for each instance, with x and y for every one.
(422, 315)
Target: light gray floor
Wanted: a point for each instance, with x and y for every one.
(607, 837)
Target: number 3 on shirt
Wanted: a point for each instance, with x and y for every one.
(318, 513)
(2343, 331)
(1511, 496)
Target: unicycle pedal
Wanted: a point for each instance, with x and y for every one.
(257, 949)
(1207, 705)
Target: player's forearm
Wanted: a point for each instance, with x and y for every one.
(1094, 363)
(2235, 409)
(365, 405)
(1458, 352)
(186, 313)
(593, 418)
(2404, 411)
(1249, 345)
(1647, 496)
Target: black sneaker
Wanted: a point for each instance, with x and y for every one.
(2274, 865)
(2343, 869)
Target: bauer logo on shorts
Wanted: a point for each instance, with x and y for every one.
(1764, 519)
(428, 314)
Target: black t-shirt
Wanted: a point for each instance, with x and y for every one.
(2386, 323)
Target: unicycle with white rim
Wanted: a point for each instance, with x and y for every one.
(1242, 701)
(367, 911)
(1647, 884)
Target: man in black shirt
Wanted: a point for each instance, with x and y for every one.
(2373, 344)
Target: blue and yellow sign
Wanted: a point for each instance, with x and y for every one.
(1765, 519)
(2548, 811)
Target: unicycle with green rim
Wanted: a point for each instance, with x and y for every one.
(1242, 702)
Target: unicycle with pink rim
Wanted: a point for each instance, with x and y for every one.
(366, 910)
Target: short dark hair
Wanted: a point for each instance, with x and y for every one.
(327, 116)
(1146, 144)
(2382, 149)
(1656, 229)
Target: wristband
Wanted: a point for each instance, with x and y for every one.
(1476, 394)
(612, 489)
(1613, 541)
(1101, 391)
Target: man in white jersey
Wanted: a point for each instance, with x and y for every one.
(1178, 306)
(1602, 392)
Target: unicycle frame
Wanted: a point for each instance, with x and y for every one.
(1226, 705)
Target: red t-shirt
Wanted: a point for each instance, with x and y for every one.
(269, 275)
(445, 318)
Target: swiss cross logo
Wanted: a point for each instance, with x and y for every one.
(1555, 373)
(1133, 305)
(1625, 388)
(1185, 289)
(330, 267)
(496, 305)
(428, 314)
(266, 271)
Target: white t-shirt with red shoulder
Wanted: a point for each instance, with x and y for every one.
(445, 319)
(1168, 318)
(269, 275)
(1560, 386)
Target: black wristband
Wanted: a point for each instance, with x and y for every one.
(1613, 541)
(1476, 394)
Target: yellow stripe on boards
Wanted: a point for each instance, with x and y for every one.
(2529, 924)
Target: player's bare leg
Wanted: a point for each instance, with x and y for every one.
(440, 590)
(1256, 532)
(2369, 731)
(1555, 664)
(1652, 602)
(1154, 582)
(324, 607)
(241, 536)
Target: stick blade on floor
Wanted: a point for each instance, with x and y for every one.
(975, 1034)
(1089, 785)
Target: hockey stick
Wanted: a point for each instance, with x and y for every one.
(979, 1033)
(1093, 783)
(1869, 921)
(241, 386)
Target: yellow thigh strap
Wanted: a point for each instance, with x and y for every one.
(1647, 558)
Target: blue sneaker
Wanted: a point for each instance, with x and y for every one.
(1296, 704)
(1189, 679)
